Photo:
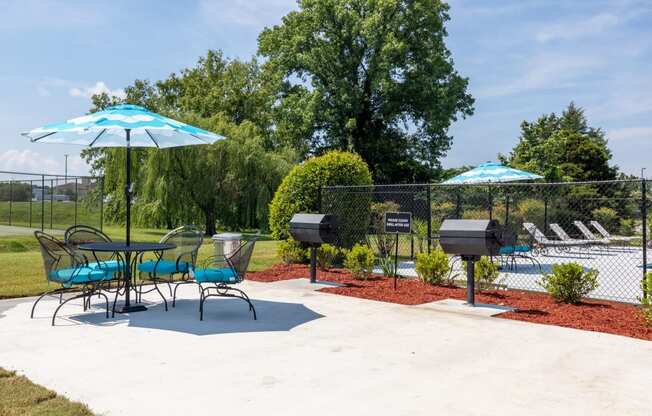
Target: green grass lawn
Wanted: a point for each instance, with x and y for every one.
(57, 215)
(22, 268)
(19, 396)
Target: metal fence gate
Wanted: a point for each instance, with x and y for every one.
(604, 223)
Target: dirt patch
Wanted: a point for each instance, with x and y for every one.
(601, 316)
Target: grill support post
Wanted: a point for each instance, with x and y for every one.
(313, 263)
(470, 279)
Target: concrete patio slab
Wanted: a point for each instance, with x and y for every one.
(460, 306)
(313, 353)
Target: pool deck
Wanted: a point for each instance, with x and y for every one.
(313, 353)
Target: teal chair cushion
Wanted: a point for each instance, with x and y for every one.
(163, 267)
(224, 275)
(108, 265)
(79, 275)
(514, 249)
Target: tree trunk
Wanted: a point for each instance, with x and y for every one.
(210, 222)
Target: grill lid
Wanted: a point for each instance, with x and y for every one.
(469, 228)
(311, 221)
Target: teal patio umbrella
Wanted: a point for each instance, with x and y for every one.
(127, 126)
(492, 172)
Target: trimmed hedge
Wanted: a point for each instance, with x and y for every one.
(299, 191)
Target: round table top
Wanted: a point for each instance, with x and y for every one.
(122, 246)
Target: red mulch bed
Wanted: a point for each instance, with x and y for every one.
(601, 316)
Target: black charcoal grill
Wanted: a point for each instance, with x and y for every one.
(314, 229)
(471, 239)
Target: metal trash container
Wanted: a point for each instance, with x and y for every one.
(226, 243)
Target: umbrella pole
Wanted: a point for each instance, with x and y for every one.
(128, 189)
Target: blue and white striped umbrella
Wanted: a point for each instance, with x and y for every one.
(122, 126)
(491, 172)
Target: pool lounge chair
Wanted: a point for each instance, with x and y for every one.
(588, 234)
(603, 231)
(556, 228)
(543, 243)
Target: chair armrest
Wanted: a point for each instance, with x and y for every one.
(214, 261)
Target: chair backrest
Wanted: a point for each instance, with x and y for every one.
(538, 236)
(600, 229)
(239, 260)
(56, 255)
(83, 234)
(556, 228)
(585, 230)
(187, 239)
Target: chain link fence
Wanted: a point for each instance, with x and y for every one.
(600, 225)
(50, 202)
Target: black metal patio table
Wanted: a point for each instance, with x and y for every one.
(129, 254)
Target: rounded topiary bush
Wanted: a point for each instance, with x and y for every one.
(299, 191)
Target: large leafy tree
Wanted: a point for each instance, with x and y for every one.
(373, 76)
(228, 183)
(563, 148)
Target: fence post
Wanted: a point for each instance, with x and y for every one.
(102, 203)
(42, 202)
(11, 197)
(76, 199)
(31, 196)
(319, 190)
(51, 202)
(644, 214)
(429, 197)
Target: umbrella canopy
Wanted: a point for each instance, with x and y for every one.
(110, 128)
(127, 126)
(491, 173)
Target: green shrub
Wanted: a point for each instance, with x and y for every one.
(360, 261)
(433, 267)
(608, 217)
(441, 211)
(384, 242)
(291, 251)
(530, 210)
(485, 272)
(627, 226)
(475, 214)
(299, 192)
(646, 301)
(569, 282)
(420, 231)
(386, 265)
(326, 255)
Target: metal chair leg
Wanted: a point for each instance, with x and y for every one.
(162, 297)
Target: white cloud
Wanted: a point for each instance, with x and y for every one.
(46, 87)
(245, 12)
(34, 162)
(595, 24)
(98, 88)
(629, 133)
(546, 72)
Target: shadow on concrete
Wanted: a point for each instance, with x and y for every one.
(221, 316)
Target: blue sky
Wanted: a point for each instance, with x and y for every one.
(524, 58)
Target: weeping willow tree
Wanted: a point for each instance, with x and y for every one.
(229, 183)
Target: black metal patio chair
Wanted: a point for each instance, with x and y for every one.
(83, 234)
(170, 263)
(64, 268)
(218, 274)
